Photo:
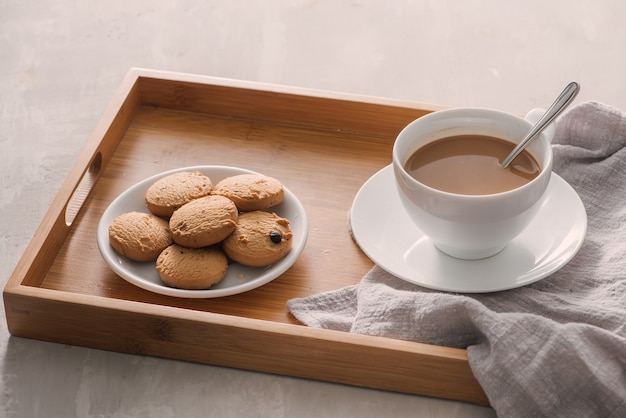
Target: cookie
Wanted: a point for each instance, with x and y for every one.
(169, 193)
(139, 236)
(204, 221)
(251, 191)
(191, 268)
(260, 239)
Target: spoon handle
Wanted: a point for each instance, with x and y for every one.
(559, 105)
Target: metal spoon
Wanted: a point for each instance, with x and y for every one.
(559, 105)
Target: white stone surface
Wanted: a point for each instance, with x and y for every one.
(61, 61)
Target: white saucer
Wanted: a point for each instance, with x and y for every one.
(238, 278)
(385, 233)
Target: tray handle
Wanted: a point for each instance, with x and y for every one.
(81, 192)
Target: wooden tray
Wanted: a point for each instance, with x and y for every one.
(323, 146)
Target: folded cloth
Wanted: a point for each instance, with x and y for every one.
(553, 348)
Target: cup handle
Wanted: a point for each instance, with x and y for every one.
(533, 117)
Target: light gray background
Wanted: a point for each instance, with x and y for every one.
(61, 61)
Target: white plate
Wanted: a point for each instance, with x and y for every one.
(385, 233)
(238, 278)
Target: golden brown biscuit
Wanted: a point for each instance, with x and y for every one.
(139, 236)
(260, 239)
(191, 268)
(251, 191)
(203, 222)
(166, 195)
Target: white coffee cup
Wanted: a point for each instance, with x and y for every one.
(471, 226)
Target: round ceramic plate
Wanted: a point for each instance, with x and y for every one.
(238, 278)
(385, 233)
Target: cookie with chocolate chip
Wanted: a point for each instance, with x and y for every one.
(260, 239)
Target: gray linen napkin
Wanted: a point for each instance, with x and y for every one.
(553, 348)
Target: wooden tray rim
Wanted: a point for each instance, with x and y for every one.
(21, 292)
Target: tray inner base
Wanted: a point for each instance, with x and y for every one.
(160, 139)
